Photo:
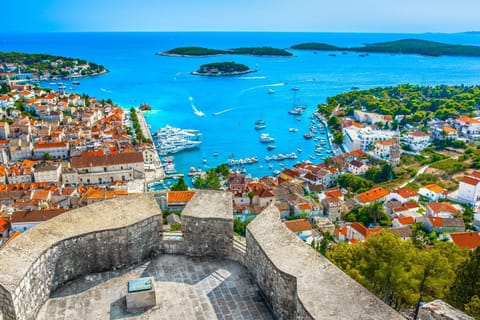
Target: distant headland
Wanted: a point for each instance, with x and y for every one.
(44, 66)
(405, 46)
(201, 52)
(222, 69)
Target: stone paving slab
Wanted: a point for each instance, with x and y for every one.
(186, 288)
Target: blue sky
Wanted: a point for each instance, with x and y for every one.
(241, 15)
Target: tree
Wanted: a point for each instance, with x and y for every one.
(473, 307)
(250, 195)
(467, 281)
(47, 156)
(180, 185)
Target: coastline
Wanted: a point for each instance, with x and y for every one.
(196, 73)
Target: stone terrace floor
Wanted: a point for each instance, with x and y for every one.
(186, 288)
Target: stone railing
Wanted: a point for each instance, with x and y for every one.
(103, 236)
(301, 284)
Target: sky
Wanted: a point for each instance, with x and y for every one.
(416, 16)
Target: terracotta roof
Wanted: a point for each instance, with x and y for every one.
(50, 145)
(106, 160)
(180, 196)
(4, 225)
(406, 206)
(41, 194)
(298, 225)
(406, 220)
(439, 207)
(404, 232)
(406, 192)
(357, 163)
(470, 181)
(466, 240)
(418, 134)
(448, 129)
(336, 193)
(446, 222)
(304, 206)
(360, 228)
(35, 215)
(384, 143)
(434, 188)
(468, 120)
(475, 174)
(372, 194)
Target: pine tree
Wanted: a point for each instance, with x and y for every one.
(467, 281)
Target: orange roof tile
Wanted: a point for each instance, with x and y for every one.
(438, 207)
(434, 188)
(470, 180)
(4, 225)
(372, 194)
(448, 129)
(466, 240)
(298, 225)
(180, 196)
(304, 206)
(406, 192)
(468, 120)
(406, 220)
(50, 145)
(360, 228)
(334, 193)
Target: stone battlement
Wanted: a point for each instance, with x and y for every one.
(296, 281)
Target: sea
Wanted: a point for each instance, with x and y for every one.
(232, 104)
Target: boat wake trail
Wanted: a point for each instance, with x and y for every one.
(264, 86)
(251, 78)
(105, 90)
(197, 112)
(223, 111)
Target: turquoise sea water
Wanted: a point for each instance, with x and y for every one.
(137, 76)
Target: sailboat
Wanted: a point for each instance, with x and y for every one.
(260, 123)
(296, 110)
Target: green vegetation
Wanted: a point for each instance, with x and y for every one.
(55, 66)
(139, 137)
(370, 214)
(405, 46)
(465, 290)
(199, 51)
(399, 273)
(353, 183)
(450, 166)
(212, 178)
(222, 69)
(417, 103)
(240, 227)
(316, 46)
(180, 185)
(382, 174)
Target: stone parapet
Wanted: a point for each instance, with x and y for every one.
(103, 236)
(301, 284)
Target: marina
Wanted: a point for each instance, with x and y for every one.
(169, 140)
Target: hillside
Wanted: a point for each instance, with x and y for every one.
(200, 51)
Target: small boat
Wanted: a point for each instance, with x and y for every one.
(332, 55)
(270, 91)
(260, 124)
(76, 83)
(295, 89)
(298, 119)
(362, 55)
(215, 154)
(204, 160)
(312, 157)
(265, 138)
(271, 147)
(53, 83)
(299, 149)
(296, 111)
(308, 136)
(354, 88)
(293, 129)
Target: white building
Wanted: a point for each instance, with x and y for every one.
(48, 172)
(357, 167)
(469, 189)
(364, 138)
(4, 130)
(57, 150)
(382, 148)
(416, 140)
(433, 192)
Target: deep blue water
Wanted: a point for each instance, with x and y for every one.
(137, 75)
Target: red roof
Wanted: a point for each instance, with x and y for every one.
(180, 196)
(439, 207)
(50, 145)
(406, 192)
(372, 194)
(298, 225)
(335, 193)
(466, 240)
(406, 220)
(406, 206)
(4, 224)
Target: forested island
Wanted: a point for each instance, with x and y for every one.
(406, 46)
(222, 69)
(199, 51)
(417, 104)
(39, 66)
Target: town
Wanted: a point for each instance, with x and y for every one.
(60, 151)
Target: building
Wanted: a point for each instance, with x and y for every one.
(404, 195)
(364, 138)
(441, 209)
(376, 194)
(24, 220)
(441, 225)
(469, 189)
(432, 192)
(104, 169)
(370, 117)
(177, 200)
(466, 240)
(56, 150)
(48, 172)
(382, 149)
(445, 133)
(357, 167)
(301, 227)
(416, 140)
(359, 232)
(4, 130)
(403, 222)
(332, 208)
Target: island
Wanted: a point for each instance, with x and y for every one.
(405, 46)
(222, 69)
(201, 52)
(40, 66)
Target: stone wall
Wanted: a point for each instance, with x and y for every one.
(207, 224)
(104, 236)
(301, 284)
(440, 310)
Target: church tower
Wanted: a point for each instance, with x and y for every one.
(395, 150)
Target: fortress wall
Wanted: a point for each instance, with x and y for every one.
(7, 311)
(300, 283)
(104, 236)
(207, 224)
